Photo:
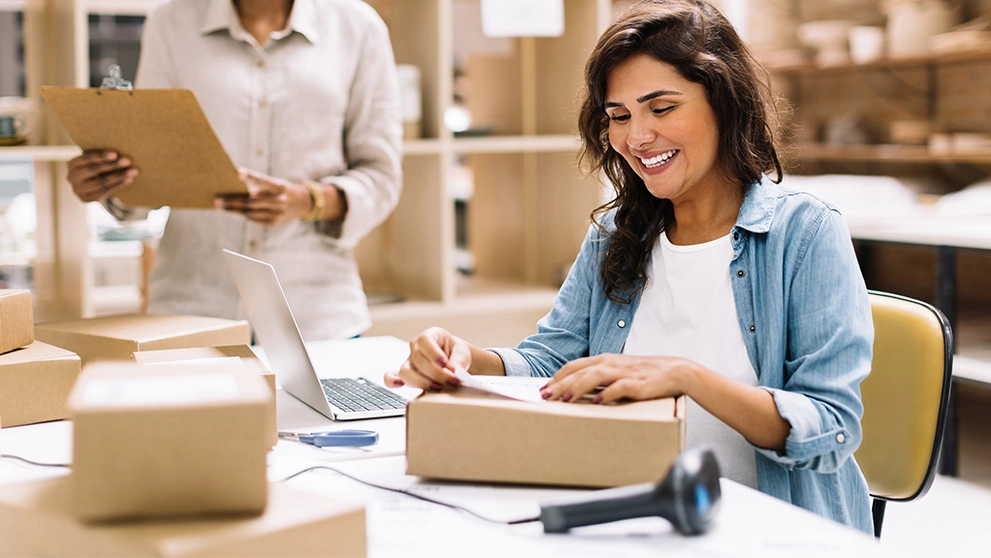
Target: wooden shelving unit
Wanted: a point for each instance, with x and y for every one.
(530, 204)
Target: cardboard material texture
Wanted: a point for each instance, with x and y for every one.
(35, 520)
(117, 337)
(165, 133)
(464, 434)
(16, 319)
(207, 355)
(35, 382)
(155, 441)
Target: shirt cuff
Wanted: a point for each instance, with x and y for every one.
(513, 362)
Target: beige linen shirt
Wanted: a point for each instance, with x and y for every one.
(319, 101)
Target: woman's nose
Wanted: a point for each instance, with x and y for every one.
(640, 134)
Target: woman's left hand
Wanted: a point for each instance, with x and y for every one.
(623, 376)
(271, 202)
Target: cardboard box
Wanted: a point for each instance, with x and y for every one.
(468, 435)
(16, 319)
(35, 382)
(153, 441)
(117, 337)
(242, 353)
(35, 520)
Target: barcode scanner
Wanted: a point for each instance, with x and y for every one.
(688, 497)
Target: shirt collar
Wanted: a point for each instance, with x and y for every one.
(758, 206)
(221, 14)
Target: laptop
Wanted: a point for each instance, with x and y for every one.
(277, 332)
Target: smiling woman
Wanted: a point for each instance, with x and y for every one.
(702, 277)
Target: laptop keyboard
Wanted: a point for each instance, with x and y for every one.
(359, 394)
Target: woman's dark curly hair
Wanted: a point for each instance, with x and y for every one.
(695, 38)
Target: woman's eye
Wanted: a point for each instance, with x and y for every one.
(662, 110)
(619, 117)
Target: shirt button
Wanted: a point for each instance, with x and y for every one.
(253, 244)
(840, 438)
(736, 236)
(621, 323)
(741, 273)
(262, 103)
(752, 329)
(261, 63)
(259, 151)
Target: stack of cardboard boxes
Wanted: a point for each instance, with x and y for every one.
(173, 417)
(35, 377)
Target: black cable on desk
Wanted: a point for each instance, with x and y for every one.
(36, 463)
(414, 495)
(339, 472)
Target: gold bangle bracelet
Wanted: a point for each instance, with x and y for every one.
(316, 196)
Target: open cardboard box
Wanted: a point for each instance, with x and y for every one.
(118, 337)
(464, 434)
(35, 520)
(35, 382)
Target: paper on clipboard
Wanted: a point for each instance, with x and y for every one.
(163, 131)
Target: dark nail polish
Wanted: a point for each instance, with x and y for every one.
(453, 382)
(567, 397)
(597, 399)
(436, 386)
(546, 394)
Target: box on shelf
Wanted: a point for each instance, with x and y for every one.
(154, 441)
(117, 337)
(35, 382)
(35, 520)
(226, 354)
(469, 435)
(16, 319)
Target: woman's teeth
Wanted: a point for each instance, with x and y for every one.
(658, 160)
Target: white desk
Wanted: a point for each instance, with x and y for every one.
(749, 523)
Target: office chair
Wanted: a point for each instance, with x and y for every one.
(905, 400)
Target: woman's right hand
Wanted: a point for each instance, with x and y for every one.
(96, 175)
(433, 357)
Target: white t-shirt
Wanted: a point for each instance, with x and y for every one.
(687, 309)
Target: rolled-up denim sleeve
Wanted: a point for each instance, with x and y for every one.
(829, 351)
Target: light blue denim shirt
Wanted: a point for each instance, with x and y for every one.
(806, 320)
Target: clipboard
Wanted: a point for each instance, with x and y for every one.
(163, 131)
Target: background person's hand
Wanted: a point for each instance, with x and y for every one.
(433, 356)
(271, 202)
(96, 175)
(623, 376)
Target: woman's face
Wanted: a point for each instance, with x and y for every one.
(664, 127)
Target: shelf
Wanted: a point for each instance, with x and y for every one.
(518, 144)
(885, 64)
(42, 153)
(888, 153)
(971, 369)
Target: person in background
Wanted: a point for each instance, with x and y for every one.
(304, 96)
(703, 276)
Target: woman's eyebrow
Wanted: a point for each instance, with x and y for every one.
(645, 98)
(656, 94)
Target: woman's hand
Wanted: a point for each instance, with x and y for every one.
(271, 202)
(96, 175)
(433, 356)
(623, 376)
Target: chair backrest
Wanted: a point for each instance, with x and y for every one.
(905, 397)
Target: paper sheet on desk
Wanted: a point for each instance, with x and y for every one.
(523, 388)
